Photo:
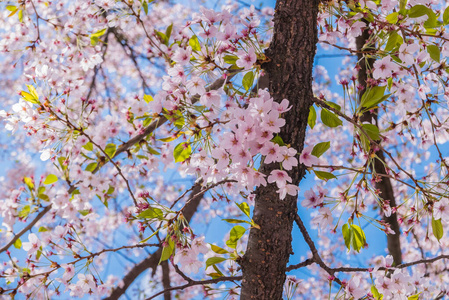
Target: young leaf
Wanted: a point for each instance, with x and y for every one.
(91, 167)
(29, 182)
(182, 151)
(151, 213)
(236, 233)
(373, 96)
(230, 59)
(358, 238)
(311, 120)
(330, 119)
(278, 140)
(89, 146)
(214, 260)
(25, 211)
(18, 244)
(324, 175)
(218, 250)
(392, 18)
(110, 150)
(446, 16)
(244, 207)
(372, 131)
(248, 80)
(437, 228)
(145, 240)
(434, 52)
(51, 178)
(194, 43)
(347, 235)
(167, 251)
(320, 148)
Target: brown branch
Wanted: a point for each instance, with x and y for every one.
(28, 227)
(152, 261)
(303, 264)
(161, 120)
(315, 255)
(166, 279)
(196, 282)
(384, 185)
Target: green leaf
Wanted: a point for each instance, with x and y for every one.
(324, 175)
(373, 97)
(39, 253)
(51, 178)
(95, 37)
(417, 11)
(18, 244)
(11, 7)
(235, 221)
(89, 146)
(330, 119)
(248, 80)
(392, 18)
(311, 120)
(91, 167)
(31, 95)
(437, 228)
(446, 16)
(61, 161)
(20, 15)
(278, 140)
(214, 260)
(230, 59)
(354, 236)
(163, 37)
(372, 131)
(236, 233)
(244, 207)
(434, 52)
(110, 150)
(320, 148)
(394, 41)
(43, 197)
(151, 213)
(194, 43)
(347, 235)
(167, 251)
(218, 250)
(84, 212)
(145, 240)
(147, 98)
(182, 151)
(25, 211)
(359, 239)
(42, 229)
(414, 297)
(333, 105)
(375, 292)
(29, 182)
(168, 31)
(145, 7)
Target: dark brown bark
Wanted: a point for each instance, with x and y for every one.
(384, 185)
(290, 77)
(152, 261)
(166, 279)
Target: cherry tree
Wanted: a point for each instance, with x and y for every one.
(130, 126)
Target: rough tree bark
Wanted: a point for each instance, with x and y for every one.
(291, 51)
(384, 185)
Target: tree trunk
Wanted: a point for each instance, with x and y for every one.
(290, 77)
(384, 185)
